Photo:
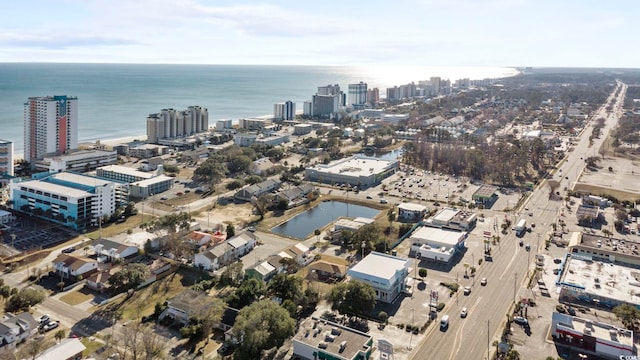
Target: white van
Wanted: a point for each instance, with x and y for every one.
(444, 323)
(383, 201)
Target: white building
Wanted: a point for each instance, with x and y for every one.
(16, 328)
(78, 161)
(50, 126)
(302, 129)
(113, 249)
(68, 265)
(6, 217)
(387, 274)
(356, 171)
(411, 211)
(6, 157)
(225, 124)
(456, 219)
(67, 349)
(437, 244)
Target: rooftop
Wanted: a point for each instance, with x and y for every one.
(442, 236)
(153, 180)
(602, 279)
(127, 171)
(66, 349)
(412, 207)
(55, 188)
(381, 265)
(485, 191)
(328, 337)
(84, 154)
(606, 246)
(596, 329)
(190, 301)
(445, 215)
(355, 166)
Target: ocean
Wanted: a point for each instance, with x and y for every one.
(114, 100)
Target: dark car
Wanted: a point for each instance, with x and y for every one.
(69, 250)
(520, 320)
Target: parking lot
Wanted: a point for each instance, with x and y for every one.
(26, 234)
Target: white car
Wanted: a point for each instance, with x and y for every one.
(463, 312)
(50, 326)
(467, 290)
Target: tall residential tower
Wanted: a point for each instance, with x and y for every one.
(50, 126)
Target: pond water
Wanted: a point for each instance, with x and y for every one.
(390, 155)
(303, 225)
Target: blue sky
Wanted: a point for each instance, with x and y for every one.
(353, 32)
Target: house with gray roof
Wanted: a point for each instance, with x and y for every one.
(113, 249)
(16, 328)
(247, 193)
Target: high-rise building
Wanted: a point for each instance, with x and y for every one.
(373, 95)
(6, 158)
(358, 94)
(50, 126)
(172, 124)
(284, 111)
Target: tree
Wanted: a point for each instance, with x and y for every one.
(231, 231)
(352, 298)
(286, 287)
(422, 272)
(59, 335)
(210, 317)
(249, 291)
(129, 277)
(24, 299)
(262, 325)
(628, 315)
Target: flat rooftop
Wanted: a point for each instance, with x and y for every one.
(485, 191)
(446, 215)
(153, 180)
(596, 329)
(85, 180)
(355, 166)
(411, 207)
(384, 266)
(314, 331)
(442, 236)
(127, 171)
(55, 188)
(602, 279)
(84, 154)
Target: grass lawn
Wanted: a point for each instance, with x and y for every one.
(115, 228)
(77, 297)
(91, 346)
(143, 302)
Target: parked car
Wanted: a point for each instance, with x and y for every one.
(557, 260)
(483, 282)
(43, 319)
(50, 326)
(520, 320)
(369, 197)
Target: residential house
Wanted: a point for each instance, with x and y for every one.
(114, 250)
(186, 305)
(199, 238)
(16, 328)
(247, 193)
(241, 244)
(98, 281)
(296, 195)
(298, 253)
(262, 166)
(265, 270)
(213, 258)
(327, 270)
(67, 349)
(226, 323)
(67, 265)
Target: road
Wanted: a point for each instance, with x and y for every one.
(470, 338)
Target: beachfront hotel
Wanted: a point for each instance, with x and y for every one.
(171, 124)
(284, 111)
(69, 199)
(50, 126)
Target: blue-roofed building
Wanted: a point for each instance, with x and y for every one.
(69, 199)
